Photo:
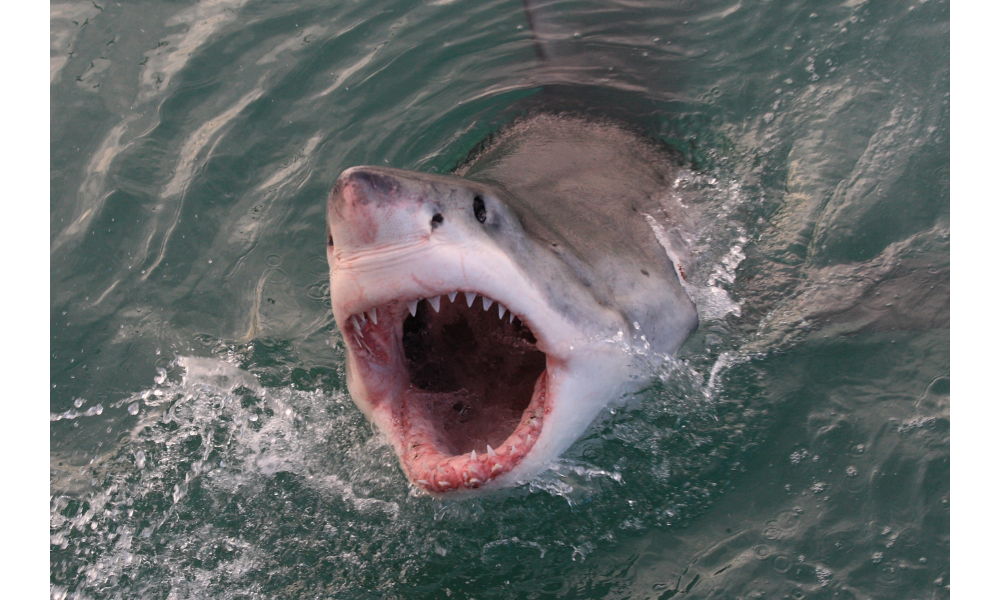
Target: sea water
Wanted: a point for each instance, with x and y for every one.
(203, 444)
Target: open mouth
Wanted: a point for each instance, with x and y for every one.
(470, 385)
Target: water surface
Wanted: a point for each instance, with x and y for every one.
(202, 441)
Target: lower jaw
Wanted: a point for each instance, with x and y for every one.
(430, 464)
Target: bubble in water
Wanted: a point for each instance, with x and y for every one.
(140, 459)
(78, 402)
(133, 409)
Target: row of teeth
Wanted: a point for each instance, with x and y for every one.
(435, 303)
(466, 476)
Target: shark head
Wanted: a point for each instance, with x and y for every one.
(480, 351)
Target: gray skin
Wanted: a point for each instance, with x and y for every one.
(583, 191)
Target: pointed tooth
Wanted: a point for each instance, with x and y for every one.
(354, 320)
(495, 468)
(444, 483)
(374, 315)
(435, 303)
(470, 297)
(490, 451)
(473, 454)
(502, 309)
(412, 305)
(511, 317)
(487, 302)
(364, 318)
(451, 296)
(513, 449)
(475, 481)
(440, 470)
(423, 482)
(528, 442)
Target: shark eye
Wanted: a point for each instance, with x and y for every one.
(436, 220)
(479, 208)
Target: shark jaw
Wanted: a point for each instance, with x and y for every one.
(461, 364)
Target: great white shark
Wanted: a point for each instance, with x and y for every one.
(490, 315)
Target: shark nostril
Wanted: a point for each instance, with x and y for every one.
(479, 209)
(436, 220)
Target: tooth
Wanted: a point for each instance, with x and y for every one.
(495, 468)
(444, 483)
(487, 302)
(513, 449)
(440, 470)
(374, 315)
(364, 318)
(512, 317)
(475, 481)
(528, 442)
(423, 482)
(435, 303)
(490, 451)
(412, 305)
(451, 296)
(354, 320)
(470, 297)
(502, 309)
(473, 455)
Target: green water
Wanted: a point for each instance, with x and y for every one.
(202, 443)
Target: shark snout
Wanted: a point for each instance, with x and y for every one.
(363, 186)
(374, 206)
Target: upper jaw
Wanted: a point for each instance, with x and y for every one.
(364, 292)
(366, 281)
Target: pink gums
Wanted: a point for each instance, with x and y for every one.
(435, 471)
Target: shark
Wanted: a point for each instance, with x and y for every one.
(491, 314)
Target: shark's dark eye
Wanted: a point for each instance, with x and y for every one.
(479, 208)
(436, 220)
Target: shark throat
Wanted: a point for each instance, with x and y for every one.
(473, 370)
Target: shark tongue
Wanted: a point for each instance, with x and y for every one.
(428, 456)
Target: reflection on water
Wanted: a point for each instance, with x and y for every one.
(202, 443)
